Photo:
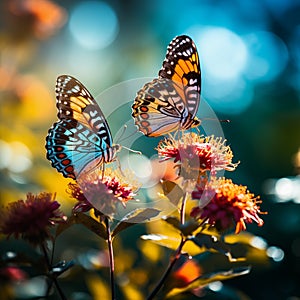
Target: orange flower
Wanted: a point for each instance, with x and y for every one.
(225, 204)
(101, 193)
(31, 219)
(187, 272)
(197, 153)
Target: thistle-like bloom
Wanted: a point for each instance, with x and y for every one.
(197, 153)
(31, 219)
(225, 205)
(102, 192)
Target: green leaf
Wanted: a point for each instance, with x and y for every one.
(186, 229)
(174, 221)
(65, 225)
(61, 267)
(138, 215)
(91, 224)
(208, 278)
(189, 227)
(172, 191)
(211, 242)
(163, 240)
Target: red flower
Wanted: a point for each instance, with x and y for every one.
(31, 219)
(102, 193)
(197, 153)
(12, 274)
(225, 204)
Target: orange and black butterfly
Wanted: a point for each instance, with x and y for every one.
(170, 102)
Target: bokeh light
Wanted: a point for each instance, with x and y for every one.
(275, 253)
(15, 156)
(223, 56)
(93, 24)
(268, 56)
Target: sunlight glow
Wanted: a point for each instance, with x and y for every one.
(94, 24)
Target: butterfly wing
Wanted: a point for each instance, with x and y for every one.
(81, 138)
(182, 66)
(158, 108)
(74, 101)
(71, 148)
(171, 101)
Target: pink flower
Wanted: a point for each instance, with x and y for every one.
(228, 205)
(31, 219)
(197, 154)
(101, 193)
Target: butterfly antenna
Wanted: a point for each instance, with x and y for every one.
(213, 119)
(121, 140)
(118, 140)
(131, 150)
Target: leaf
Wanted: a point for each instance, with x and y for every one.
(172, 191)
(91, 224)
(189, 227)
(138, 215)
(163, 240)
(208, 278)
(174, 221)
(186, 229)
(62, 267)
(211, 242)
(65, 225)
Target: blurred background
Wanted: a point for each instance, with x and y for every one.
(250, 60)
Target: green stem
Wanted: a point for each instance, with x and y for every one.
(182, 209)
(177, 253)
(111, 260)
(54, 279)
(168, 270)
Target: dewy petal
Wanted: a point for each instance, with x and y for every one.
(230, 205)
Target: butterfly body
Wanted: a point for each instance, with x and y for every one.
(81, 139)
(170, 102)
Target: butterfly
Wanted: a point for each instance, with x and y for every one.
(81, 139)
(170, 102)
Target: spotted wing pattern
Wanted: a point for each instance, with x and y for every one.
(81, 138)
(170, 102)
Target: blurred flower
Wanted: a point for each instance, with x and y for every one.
(228, 204)
(43, 17)
(12, 273)
(101, 192)
(186, 273)
(197, 153)
(297, 161)
(31, 219)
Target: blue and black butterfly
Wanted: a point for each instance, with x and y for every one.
(81, 139)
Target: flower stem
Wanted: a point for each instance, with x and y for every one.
(54, 279)
(111, 259)
(177, 253)
(182, 208)
(168, 270)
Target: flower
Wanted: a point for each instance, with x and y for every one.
(31, 219)
(197, 153)
(12, 273)
(101, 192)
(186, 273)
(228, 204)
